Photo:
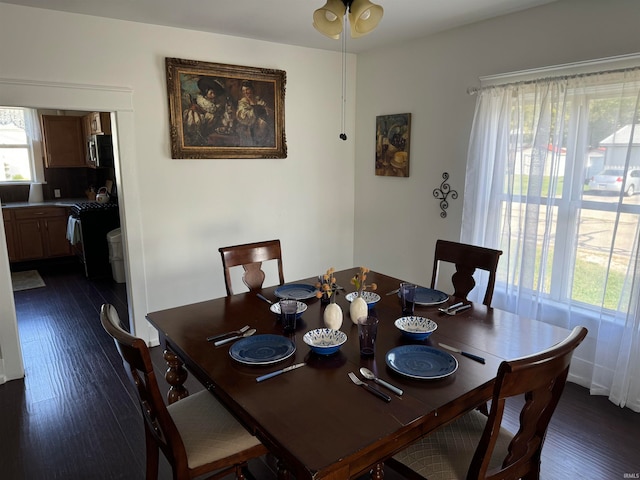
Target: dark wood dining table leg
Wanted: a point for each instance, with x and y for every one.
(175, 376)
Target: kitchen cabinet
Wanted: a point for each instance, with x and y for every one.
(97, 123)
(9, 232)
(41, 232)
(63, 141)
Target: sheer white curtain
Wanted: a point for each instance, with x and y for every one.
(570, 239)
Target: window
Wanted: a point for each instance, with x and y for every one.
(552, 180)
(16, 159)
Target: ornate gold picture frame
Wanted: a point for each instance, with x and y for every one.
(225, 111)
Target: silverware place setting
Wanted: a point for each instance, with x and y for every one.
(262, 297)
(248, 333)
(454, 309)
(354, 378)
(369, 375)
(234, 332)
(463, 353)
(278, 372)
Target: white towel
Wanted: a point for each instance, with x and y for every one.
(73, 230)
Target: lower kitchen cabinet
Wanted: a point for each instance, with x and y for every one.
(41, 232)
(9, 232)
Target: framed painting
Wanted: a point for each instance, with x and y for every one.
(225, 111)
(393, 133)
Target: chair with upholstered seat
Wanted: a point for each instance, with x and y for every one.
(196, 434)
(250, 256)
(477, 447)
(467, 258)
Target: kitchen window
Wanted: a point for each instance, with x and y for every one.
(18, 130)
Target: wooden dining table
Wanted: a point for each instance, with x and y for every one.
(314, 419)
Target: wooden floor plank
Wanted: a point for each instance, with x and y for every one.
(58, 423)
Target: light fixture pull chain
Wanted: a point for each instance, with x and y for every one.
(343, 135)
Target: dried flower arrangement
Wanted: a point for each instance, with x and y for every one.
(358, 281)
(327, 286)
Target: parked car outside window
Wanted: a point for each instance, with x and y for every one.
(611, 180)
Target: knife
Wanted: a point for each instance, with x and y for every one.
(466, 354)
(278, 372)
(451, 307)
(262, 297)
(393, 292)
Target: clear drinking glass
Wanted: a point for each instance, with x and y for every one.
(367, 333)
(407, 298)
(288, 309)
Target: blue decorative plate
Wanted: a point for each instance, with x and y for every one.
(296, 291)
(422, 362)
(262, 349)
(429, 296)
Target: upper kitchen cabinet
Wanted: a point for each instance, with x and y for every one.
(97, 123)
(63, 141)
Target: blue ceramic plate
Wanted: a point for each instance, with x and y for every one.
(262, 349)
(422, 362)
(296, 291)
(429, 296)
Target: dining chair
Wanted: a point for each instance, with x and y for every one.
(196, 434)
(250, 256)
(477, 447)
(467, 258)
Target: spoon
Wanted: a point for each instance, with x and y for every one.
(369, 375)
(248, 333)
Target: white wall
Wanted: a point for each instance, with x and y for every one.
(178, 212)
(397, 219)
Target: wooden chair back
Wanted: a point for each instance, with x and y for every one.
(541, 378)
(137, 362)
(467, 258)
(250, 256)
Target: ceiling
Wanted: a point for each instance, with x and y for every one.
(290, 21)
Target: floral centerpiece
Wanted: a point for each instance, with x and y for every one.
(327, 287)
(358, 281)
(359, 307)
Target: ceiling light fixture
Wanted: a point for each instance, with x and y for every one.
(364, 16)
(331, 20)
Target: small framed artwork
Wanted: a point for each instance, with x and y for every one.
(393, 133)
(225, 111)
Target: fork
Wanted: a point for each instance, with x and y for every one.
(235, 332)
(453, 311)
(354, 378)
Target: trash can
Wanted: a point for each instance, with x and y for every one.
(116, 255)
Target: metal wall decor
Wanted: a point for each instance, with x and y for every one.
(442, 193)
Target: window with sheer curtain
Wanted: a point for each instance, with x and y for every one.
(553, 180)
(18, 130)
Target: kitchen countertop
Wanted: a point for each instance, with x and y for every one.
(58, 202)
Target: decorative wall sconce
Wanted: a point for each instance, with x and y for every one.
(442, 193)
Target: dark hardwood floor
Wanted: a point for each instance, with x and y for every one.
(74, 415)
